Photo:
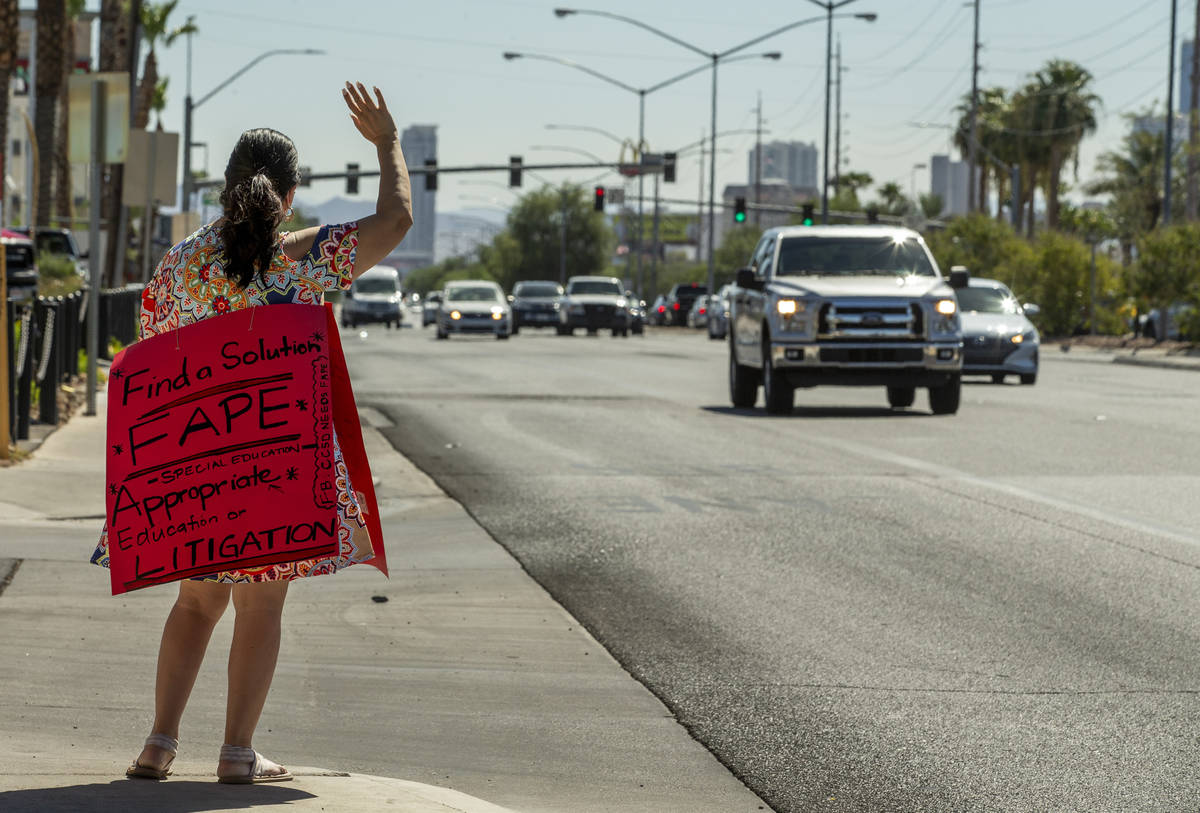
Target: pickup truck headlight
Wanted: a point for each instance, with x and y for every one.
(946, 307)
(790, 307)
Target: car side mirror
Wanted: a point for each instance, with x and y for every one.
(1031, 309)
(959, 277)
(747, 279)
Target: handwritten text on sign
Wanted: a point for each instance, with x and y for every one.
(221, 451)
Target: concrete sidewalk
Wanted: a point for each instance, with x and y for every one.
(1169, 359)
(457, 685)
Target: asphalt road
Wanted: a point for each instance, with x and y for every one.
(853, 608)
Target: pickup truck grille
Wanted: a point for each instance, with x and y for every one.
(855, 320)
(872, 355)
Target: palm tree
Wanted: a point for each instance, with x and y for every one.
(51, 22)
(156, 30)
(1065, 111)
(8, 60)
(993, 106)
(116, 23)
(892, 196)
(62, 161)
(1025, 148)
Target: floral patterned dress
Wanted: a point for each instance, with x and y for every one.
(190, 284)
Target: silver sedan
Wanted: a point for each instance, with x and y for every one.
(998, 338)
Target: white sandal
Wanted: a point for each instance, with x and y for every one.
(256, 763)
(169, 744)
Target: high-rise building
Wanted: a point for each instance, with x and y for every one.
(419, 143)
(791, 161)
(949, 180)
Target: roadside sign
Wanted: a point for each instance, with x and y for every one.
(116, 117)
(153, 160)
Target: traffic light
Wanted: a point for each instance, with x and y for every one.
(351, 179)
(668, 167)
(514, 170)
(431, 175)
(739, 210)
(806, 218)
(306, 176)
(598, 203)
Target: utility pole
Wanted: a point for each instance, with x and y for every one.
(758, 159)
(1193, 184)
(1166, 211)
(837, 139)
(972, 154)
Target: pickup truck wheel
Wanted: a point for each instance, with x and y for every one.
(778, 395)
(743, 383)
(901, 397)
(944, 400)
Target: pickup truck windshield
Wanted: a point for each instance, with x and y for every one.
(852, 257)
(594, 287)
(536, 291)
(374, 285)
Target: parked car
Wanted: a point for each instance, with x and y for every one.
(593, 303)
(535, 304)
(718, 313)
(430, 308)
(636, 308)
(698, 316)
(657, 313)
(60, 242)
(474, 306)
(998, 338)
(374, 297)
(679, 302)
(22, 274)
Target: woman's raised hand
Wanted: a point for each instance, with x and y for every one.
(370, 116)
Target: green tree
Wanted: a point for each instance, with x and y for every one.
(157, 30)
(1065, 111)
(1168, 267)
(892, 200)
(736, 249)
(932, 205)
(531, 249)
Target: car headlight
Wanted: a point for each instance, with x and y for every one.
(497, 310)
(946, 307)
(790, 307)
(1021, 338)
(455, 315)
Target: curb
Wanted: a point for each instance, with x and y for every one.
(1163, 364)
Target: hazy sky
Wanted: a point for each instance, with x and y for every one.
(440, 63)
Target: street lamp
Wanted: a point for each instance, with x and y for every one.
(586, 129)
(716, 57)
(189, 107)
(830, 7)
(641, 93)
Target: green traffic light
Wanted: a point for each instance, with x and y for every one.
(740, 217)
(808, 221)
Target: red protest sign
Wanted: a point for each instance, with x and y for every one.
(221, 448)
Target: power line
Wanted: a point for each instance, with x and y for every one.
(1103, 29)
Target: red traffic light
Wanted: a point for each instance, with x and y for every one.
(599, 202)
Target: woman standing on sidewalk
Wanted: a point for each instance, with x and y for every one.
(241, 261)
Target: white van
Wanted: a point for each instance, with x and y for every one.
(375, 296)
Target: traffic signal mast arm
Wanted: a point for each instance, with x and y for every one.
(440, 170)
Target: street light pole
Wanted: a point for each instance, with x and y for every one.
(973, 204)
(190, 106)
(1166, 211)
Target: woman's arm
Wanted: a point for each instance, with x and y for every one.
(381, 232)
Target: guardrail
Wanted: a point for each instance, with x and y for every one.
(52, 331)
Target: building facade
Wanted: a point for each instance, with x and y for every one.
(419, 143)
(791, 161)
(950, 180)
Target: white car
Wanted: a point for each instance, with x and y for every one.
(998, 338)
(718, 313)
(474, 306)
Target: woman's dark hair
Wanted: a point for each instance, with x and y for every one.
(262, 169)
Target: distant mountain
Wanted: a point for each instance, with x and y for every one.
(336, 210)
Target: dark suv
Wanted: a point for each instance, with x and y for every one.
(680, 300)
(535, 304)
(22, 262)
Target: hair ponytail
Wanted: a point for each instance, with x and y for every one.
(262, 169)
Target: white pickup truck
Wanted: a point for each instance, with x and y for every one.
(844, 305)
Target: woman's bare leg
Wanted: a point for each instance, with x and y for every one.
(252, 658)
(185, 637)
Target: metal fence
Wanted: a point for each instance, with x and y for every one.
(47, 336)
